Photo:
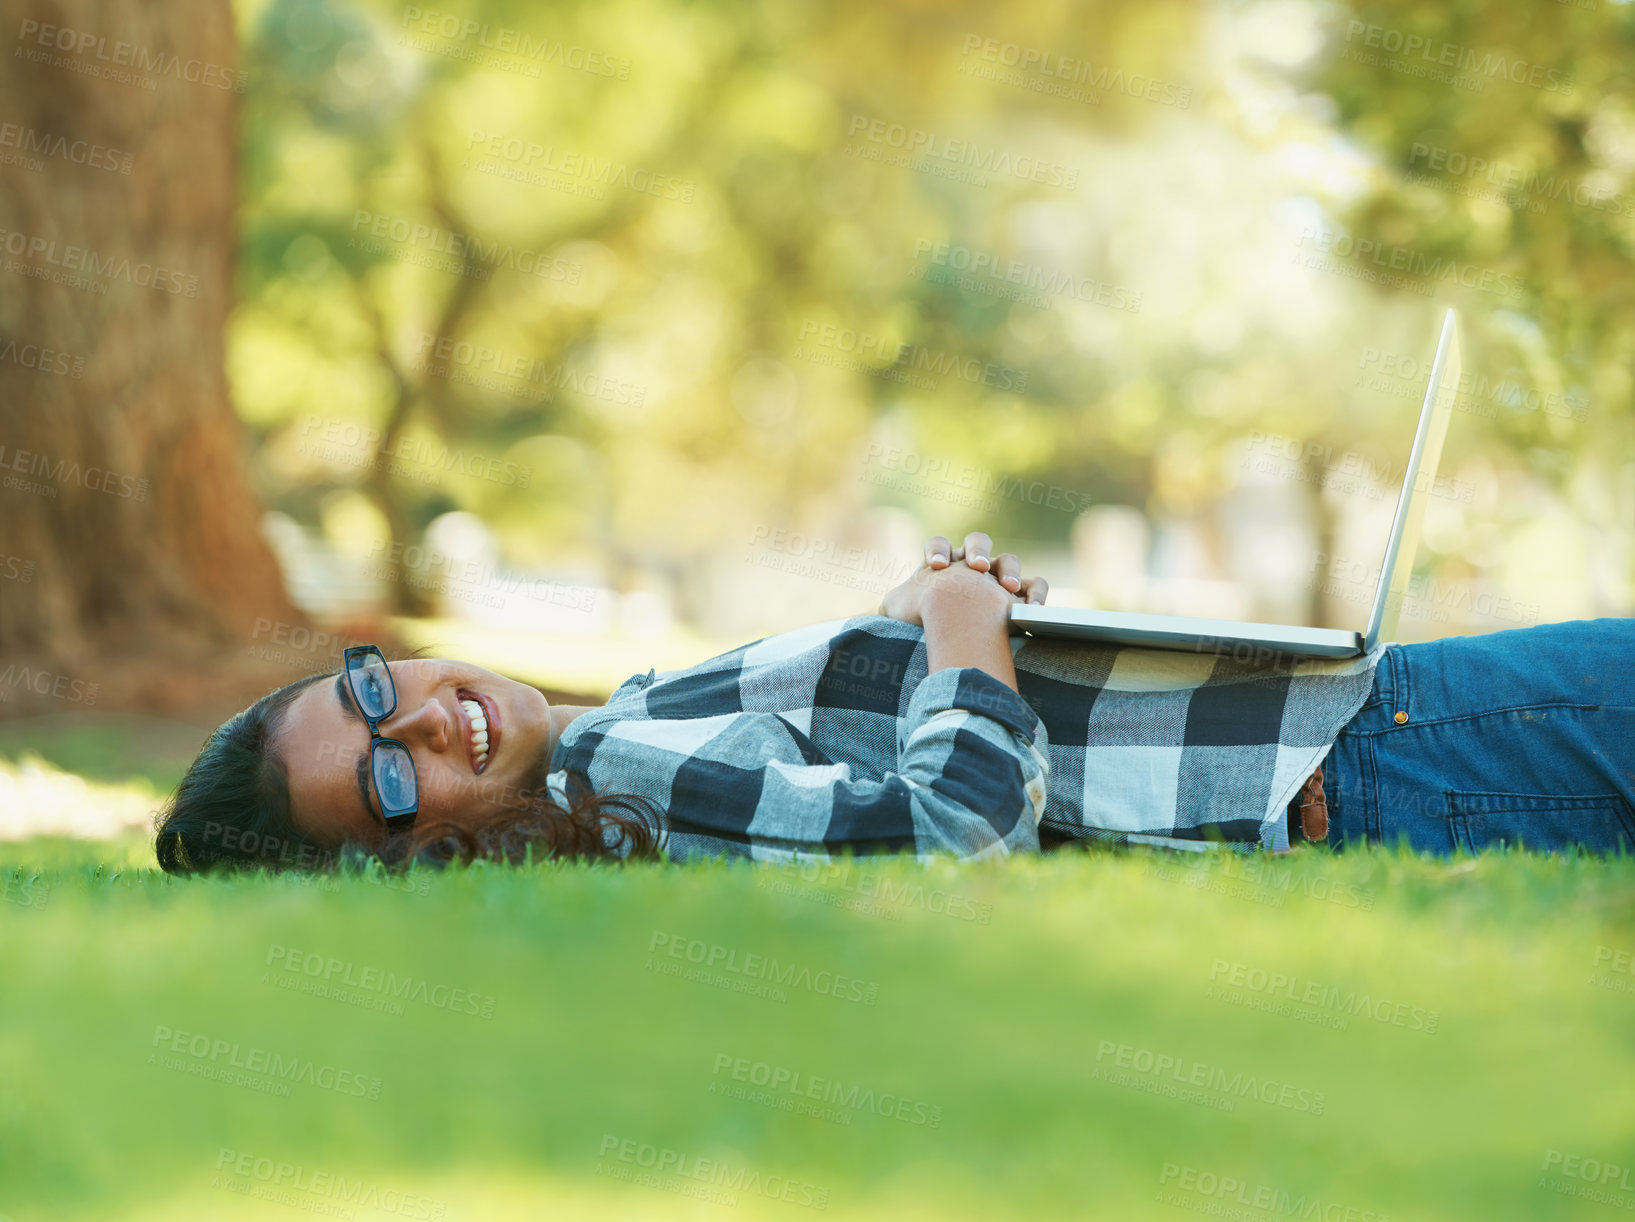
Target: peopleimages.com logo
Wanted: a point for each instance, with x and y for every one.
(365, 445)
(912, 145)
(91, 54)
(83, 267)
(63, 474)
(1448, 62)
(41, 144)
(42, 359)
(515, 42)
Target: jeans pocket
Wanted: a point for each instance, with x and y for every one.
(1599, 823)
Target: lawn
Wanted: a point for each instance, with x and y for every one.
(1362, 1037)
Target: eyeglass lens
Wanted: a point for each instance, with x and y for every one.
(371, 684)
(394, 777)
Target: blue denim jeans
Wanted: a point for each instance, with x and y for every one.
(1523, 738)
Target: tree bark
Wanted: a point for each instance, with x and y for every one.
(124, 492)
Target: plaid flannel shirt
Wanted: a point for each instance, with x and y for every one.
(833, 738)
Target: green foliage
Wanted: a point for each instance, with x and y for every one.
(708, 194)
(1523, 163)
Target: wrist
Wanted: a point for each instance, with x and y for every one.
(967, 632)
(966, 606)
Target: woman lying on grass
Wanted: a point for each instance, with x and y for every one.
(928, 727)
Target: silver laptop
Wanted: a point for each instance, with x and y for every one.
(1232, 636)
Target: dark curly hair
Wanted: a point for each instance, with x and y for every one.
(232, 812)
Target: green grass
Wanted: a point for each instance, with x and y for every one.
(997, 989)
(89, 774)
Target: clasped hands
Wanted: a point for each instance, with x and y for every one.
(969, 572)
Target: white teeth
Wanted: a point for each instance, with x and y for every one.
(479, 731)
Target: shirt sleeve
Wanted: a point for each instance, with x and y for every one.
(975, 757)
(969, 778)
(972, 767)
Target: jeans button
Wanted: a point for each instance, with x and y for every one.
(1401, 717)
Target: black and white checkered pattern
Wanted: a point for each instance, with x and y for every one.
(833, 738)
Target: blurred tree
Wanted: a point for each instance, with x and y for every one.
(698, 188)
(1508, 143)
(1502, 143)
(127, 489)
(814, 298)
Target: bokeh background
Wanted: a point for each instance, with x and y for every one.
(588, 339)
(721, 325)
(584, 338)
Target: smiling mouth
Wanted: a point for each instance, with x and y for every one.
(482, 726)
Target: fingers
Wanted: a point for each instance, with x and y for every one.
(1007, 570)
(977, 548)
(1034, 590)
(975, 551)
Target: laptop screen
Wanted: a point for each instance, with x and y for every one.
(1416, 487)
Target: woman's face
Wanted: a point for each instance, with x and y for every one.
(323, 738)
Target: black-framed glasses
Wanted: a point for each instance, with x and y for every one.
(391, 767)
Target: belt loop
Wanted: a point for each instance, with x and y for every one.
(1398, 702)
(1387, 677)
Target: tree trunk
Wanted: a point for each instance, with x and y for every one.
(127, 525)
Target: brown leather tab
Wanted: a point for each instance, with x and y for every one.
(1313, 808)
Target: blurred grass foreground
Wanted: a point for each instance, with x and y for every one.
(1371, 1037)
